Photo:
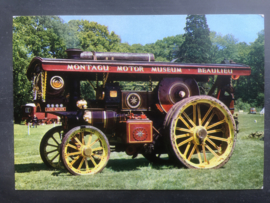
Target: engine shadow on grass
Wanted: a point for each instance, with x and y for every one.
(24, 168)
(113, 164)
(136, 164)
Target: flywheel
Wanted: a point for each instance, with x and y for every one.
(173, 90)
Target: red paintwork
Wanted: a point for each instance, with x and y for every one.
(39, 115)
(71, 65)
(133, 126)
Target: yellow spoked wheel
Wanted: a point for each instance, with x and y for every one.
(202, 132)
(85, 150)
(50, 147)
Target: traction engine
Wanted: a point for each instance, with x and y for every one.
(172, 115)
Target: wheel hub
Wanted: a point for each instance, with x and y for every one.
(87, 151)
(199, 134)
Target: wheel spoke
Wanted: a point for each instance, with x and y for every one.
(199, 114)
(98, 148)
(97, 156)
(184, 142)
(81, 163)
(52, 145)
(184, 129)
(183, 120)
(78, 140)
(190, 121)
(86, 164)
(54, 157)
(182, 135)
(82, 135)
(199, 154)
(209, 120)
(215, 124)
(212, 143)
(89, 140)
(74, 153)
(192, 152)
(214, 131)
(93, 142)
(55, 140)
(207, 113)
(209, 148)
(93, 161)
(74, 160)
(218, 138)
(52, 151)
(72, 146)
(204, 154)
(186, 151)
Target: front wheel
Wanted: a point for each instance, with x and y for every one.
(202, 133)
(85, 150)
(50, 147)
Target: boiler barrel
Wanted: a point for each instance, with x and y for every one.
(104, 119)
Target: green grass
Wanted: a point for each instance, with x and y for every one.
(243, 171)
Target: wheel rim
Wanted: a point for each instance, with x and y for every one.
(50, 147)
(203, 133)
(85, 151)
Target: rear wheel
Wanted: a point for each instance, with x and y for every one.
(202, 132)
(85, 150)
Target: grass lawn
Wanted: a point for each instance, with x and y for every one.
(243, 171)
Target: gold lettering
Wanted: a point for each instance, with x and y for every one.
(94, 68)
(76, 67)
(119, 68)
(179, 70)
(154, 69)
(82, 67)
(106, 68)
(70, 67)
(199, 70)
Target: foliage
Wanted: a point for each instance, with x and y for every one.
(33, 36)
(196, 46)
(93, 36)
(240, 105)
(251, 88)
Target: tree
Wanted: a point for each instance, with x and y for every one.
(224, 47)
(197, 44)
(93, 36)
(33, 36)
(251, 88)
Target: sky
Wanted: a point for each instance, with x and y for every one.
(145, 29)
